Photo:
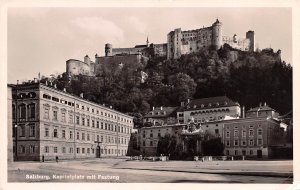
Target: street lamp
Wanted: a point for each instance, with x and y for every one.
(16, 139)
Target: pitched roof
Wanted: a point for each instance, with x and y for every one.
(212, 102)
(160, 112)
(261, 108)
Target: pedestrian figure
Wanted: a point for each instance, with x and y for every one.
(43, 158)
(56, 158)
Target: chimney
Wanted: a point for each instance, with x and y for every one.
(259, 104)
(17, 81)
(50, 83)
(81, 95)
(65, 90)
(55, 86)
(110, 107)
(265, 104)
(153, 108)
(161, 108)
(243, 112)
(46, 83)
(188, 100)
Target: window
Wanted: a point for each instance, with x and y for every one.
(46, 149)
(158, 135)
(71, 150)
(32, 130)
(70, 118)
(88, 137)
(54, 115)
(78, 150)
(227, 143)
(83, 150)
(63, 150)
(236, 152)
(77, 136)
(93, 123)
(227, 134)
(83, 121)
(244, 143)
(63, 117)
(22, 149)
(32, 149)
(243, 133)
(251, 132)
(55, 149)
(105, 124)
(82, 107)
(236, 133)
(46, 132)
(251, 142)
(151, 143)
(83, 136)
(216, 131)
(77, 120)
(144, 143)
(71, 134)
(151, 135)
(63, 133)
(55, 133)
(259, 142)
(22, 131)
(236, 143)
(88, 122)
(259, 132)
(251, 152)
(31, 109)
(22, 109)
(101, 125)
(46, 113)
(88, 150)
(98, 124)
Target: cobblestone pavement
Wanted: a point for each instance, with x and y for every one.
(113, 170)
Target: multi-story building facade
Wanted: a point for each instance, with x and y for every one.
(9, 124)
(255, 137)
(208, 109)
(53, 123)
(161, 116)
(252, 137)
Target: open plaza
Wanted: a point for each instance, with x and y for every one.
(124, 170)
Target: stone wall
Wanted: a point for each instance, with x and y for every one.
(76, 67)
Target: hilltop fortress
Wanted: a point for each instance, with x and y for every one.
(178, 43)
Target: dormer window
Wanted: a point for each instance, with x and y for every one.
(195, 106)
(202, 105)
(217, 104)
(209, 105)
(225, 103)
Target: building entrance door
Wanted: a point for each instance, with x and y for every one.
(244, 152)
(259, 153)
(98, 152)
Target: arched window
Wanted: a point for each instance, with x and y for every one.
(22, 109)
(31, 111)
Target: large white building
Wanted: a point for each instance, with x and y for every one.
(53, 123)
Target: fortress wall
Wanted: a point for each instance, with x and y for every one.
(134, 60)
(241, 43)
(160, 50)
(116, 51)
(76, 67)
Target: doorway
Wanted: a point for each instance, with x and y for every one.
(98, 152)
(259, 153)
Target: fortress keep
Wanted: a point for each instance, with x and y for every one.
(178, 43)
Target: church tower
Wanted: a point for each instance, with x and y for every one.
(147, 42)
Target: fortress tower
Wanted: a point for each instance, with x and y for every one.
(108, 50)
(250, 36)
(217, 34)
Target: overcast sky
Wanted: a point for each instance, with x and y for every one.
(42, 39)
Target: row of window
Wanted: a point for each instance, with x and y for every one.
(25, 111)
(244, 142)
(86, 136)
(86, 108)
(209, 111)
(21, 128)
(236, 133)
(84, 121)
(242, 152)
